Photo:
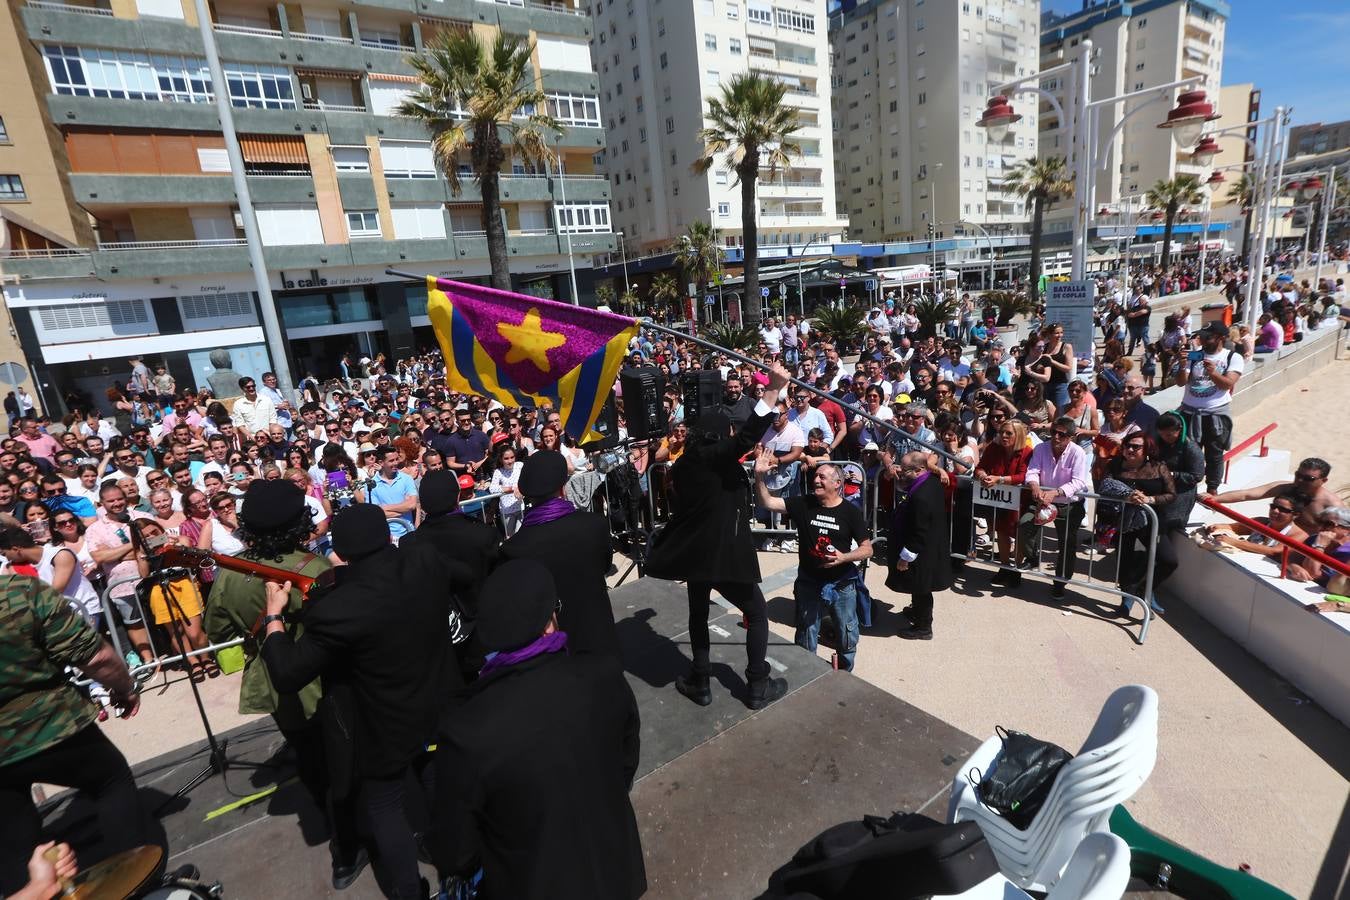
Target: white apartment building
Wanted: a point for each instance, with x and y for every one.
(910, 81)
(659, 61)
(1136, 45)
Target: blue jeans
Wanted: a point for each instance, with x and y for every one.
(790, 355)
(842, 598)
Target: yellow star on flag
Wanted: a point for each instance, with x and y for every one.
(530, 341)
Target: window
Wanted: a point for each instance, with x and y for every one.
(11, 188)
(918, 24)
(259, 87)
(795, 21)
(639, 103)
(418, 221)
(664, 61)
(893, 106)
(724, 209)
(709, 41)
(923, 98)
(660, 27)
(674, 159)
(637, 73)
(670, 124)
(720, 176)
(582, 218)
(734, 46)
(363, 224)
(4, 135)
(632, 42)
(407, 159)
(642, 135)
(759, 13)
(126, 75)
(733, 11)
(351, 159)
(289, 224)
(712, 78)
(576, 109)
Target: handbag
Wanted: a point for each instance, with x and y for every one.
(1020, 777)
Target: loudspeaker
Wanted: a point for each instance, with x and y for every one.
(643, 402)
(701, 391)
(607, 425)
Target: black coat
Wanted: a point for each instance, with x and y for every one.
(578, 551)
(922, 525)
(467, 545)
(1186, 461)
(533, 770)
(379, 636)
(708, 538)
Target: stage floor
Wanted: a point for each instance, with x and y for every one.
(724, 795)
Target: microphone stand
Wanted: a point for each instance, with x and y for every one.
(217, 761)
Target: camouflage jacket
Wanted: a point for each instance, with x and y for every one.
(39, 636)
(236, 603)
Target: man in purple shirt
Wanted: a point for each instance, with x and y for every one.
(1058, 473)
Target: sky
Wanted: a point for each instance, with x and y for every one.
(1296, 51)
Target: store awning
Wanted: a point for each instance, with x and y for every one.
(406, 79)
(283, 149)
(329, 73)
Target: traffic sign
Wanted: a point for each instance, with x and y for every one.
(764, 292)
(782, 288)
(709, 300)
(870, 284)
(12, 374)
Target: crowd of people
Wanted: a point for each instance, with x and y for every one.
(409, 504)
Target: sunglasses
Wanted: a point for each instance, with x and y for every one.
(1139, 447)
(1061, 434)
(62, 523)
(28, 490)
(1304, 476)
(1287, 510)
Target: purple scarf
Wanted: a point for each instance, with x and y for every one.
(897, 526)
(546, 643)
(548, 511)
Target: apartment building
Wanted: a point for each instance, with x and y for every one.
(125, 235)
(658, 64)
(1136, 45)
(1316, 137)
(910, 80)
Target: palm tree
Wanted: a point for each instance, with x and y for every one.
(1170, 197)
(697, 253)
(750, 128)
(665, 292)
(604, 295)
(481, 97)
(1043, 181)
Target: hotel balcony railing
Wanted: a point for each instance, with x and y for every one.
(377, 44)
(47, 253)
(249, 30)
(70, 8)
(332, 107)
(172, 245)
(320, 38)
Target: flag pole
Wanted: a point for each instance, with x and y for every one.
(797, 382)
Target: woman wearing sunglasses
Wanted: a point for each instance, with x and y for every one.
(1284, 509)
(1139, 468)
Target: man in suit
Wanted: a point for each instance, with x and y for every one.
(533, 768)
(708, 543)
(921, 552)
(379, 641)
(574, 545)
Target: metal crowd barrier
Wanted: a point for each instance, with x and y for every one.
(1010, 497)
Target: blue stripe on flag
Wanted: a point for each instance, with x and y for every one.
(461, 344)
(583, 397)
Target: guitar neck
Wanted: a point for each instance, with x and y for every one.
(180, 555)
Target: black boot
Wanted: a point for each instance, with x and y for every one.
(344, 876)
(764, 691)
(696, 687)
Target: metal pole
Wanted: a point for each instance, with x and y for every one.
(1269, 187)
(276, 341)
(623, 249)
(1328, 204)
(1204, 238)
(932, 229)
(571, 261)
(1078, 261)
(732, 354)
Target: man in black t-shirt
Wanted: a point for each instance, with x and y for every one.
(828, 528)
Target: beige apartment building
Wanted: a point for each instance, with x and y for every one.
(910, 80)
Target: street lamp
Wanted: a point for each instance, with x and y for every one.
(1205, 151)
(998, 117)
(623, 249)
(1187, 119)
(1214, 180)
(1311, 188)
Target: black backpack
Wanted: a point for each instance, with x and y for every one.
(907, 855)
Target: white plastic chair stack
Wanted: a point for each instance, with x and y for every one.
(1112, 764)
(1098, 870)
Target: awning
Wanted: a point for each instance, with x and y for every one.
(329, 73)
(283, 149)
(406, 79)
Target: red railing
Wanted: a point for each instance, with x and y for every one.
(1241, 448)
(1288, 543)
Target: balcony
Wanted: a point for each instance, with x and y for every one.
(249, 30)
(322, 106)
(118, 246)
(385, 44)
(320, 38)
(69, 8)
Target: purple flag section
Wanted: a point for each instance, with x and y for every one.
(533, 341)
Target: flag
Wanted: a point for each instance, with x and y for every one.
(523, 350)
